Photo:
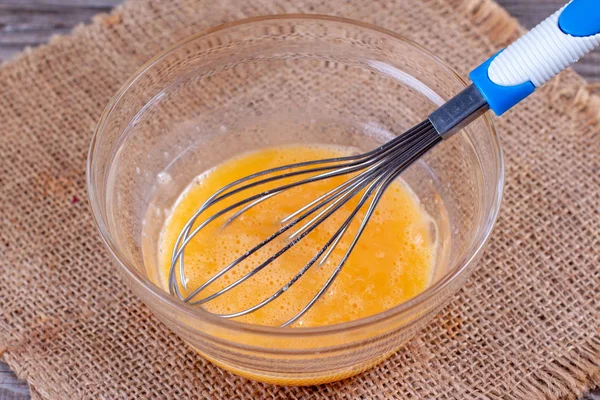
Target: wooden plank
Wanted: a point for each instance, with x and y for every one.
(37, 4)
(32, 22)
(11, 388)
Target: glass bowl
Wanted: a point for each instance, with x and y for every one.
(273, 81)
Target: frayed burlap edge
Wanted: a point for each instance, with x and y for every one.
(566, 377)
(571, 376)
(487, 19)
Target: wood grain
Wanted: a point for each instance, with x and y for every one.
(32, 22)
(11, 388)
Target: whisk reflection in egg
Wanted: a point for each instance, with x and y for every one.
(368, 174)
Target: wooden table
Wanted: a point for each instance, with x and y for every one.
(32, 22)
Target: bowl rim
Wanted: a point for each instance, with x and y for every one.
(196, 313)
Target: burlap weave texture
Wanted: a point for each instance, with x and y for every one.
(527, 325)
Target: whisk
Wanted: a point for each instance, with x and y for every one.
(498, 84)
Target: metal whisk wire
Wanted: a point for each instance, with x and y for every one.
(498, 84)
(375, 171)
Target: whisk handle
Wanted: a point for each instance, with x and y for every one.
(559, 41)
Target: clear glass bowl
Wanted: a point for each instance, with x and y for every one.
(271, 81)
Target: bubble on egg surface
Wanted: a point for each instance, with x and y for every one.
(361, 288)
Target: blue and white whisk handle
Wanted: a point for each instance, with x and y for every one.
(561, 40)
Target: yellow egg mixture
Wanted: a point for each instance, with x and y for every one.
(391, 263)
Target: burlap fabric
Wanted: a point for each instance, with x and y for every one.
(527, 325)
